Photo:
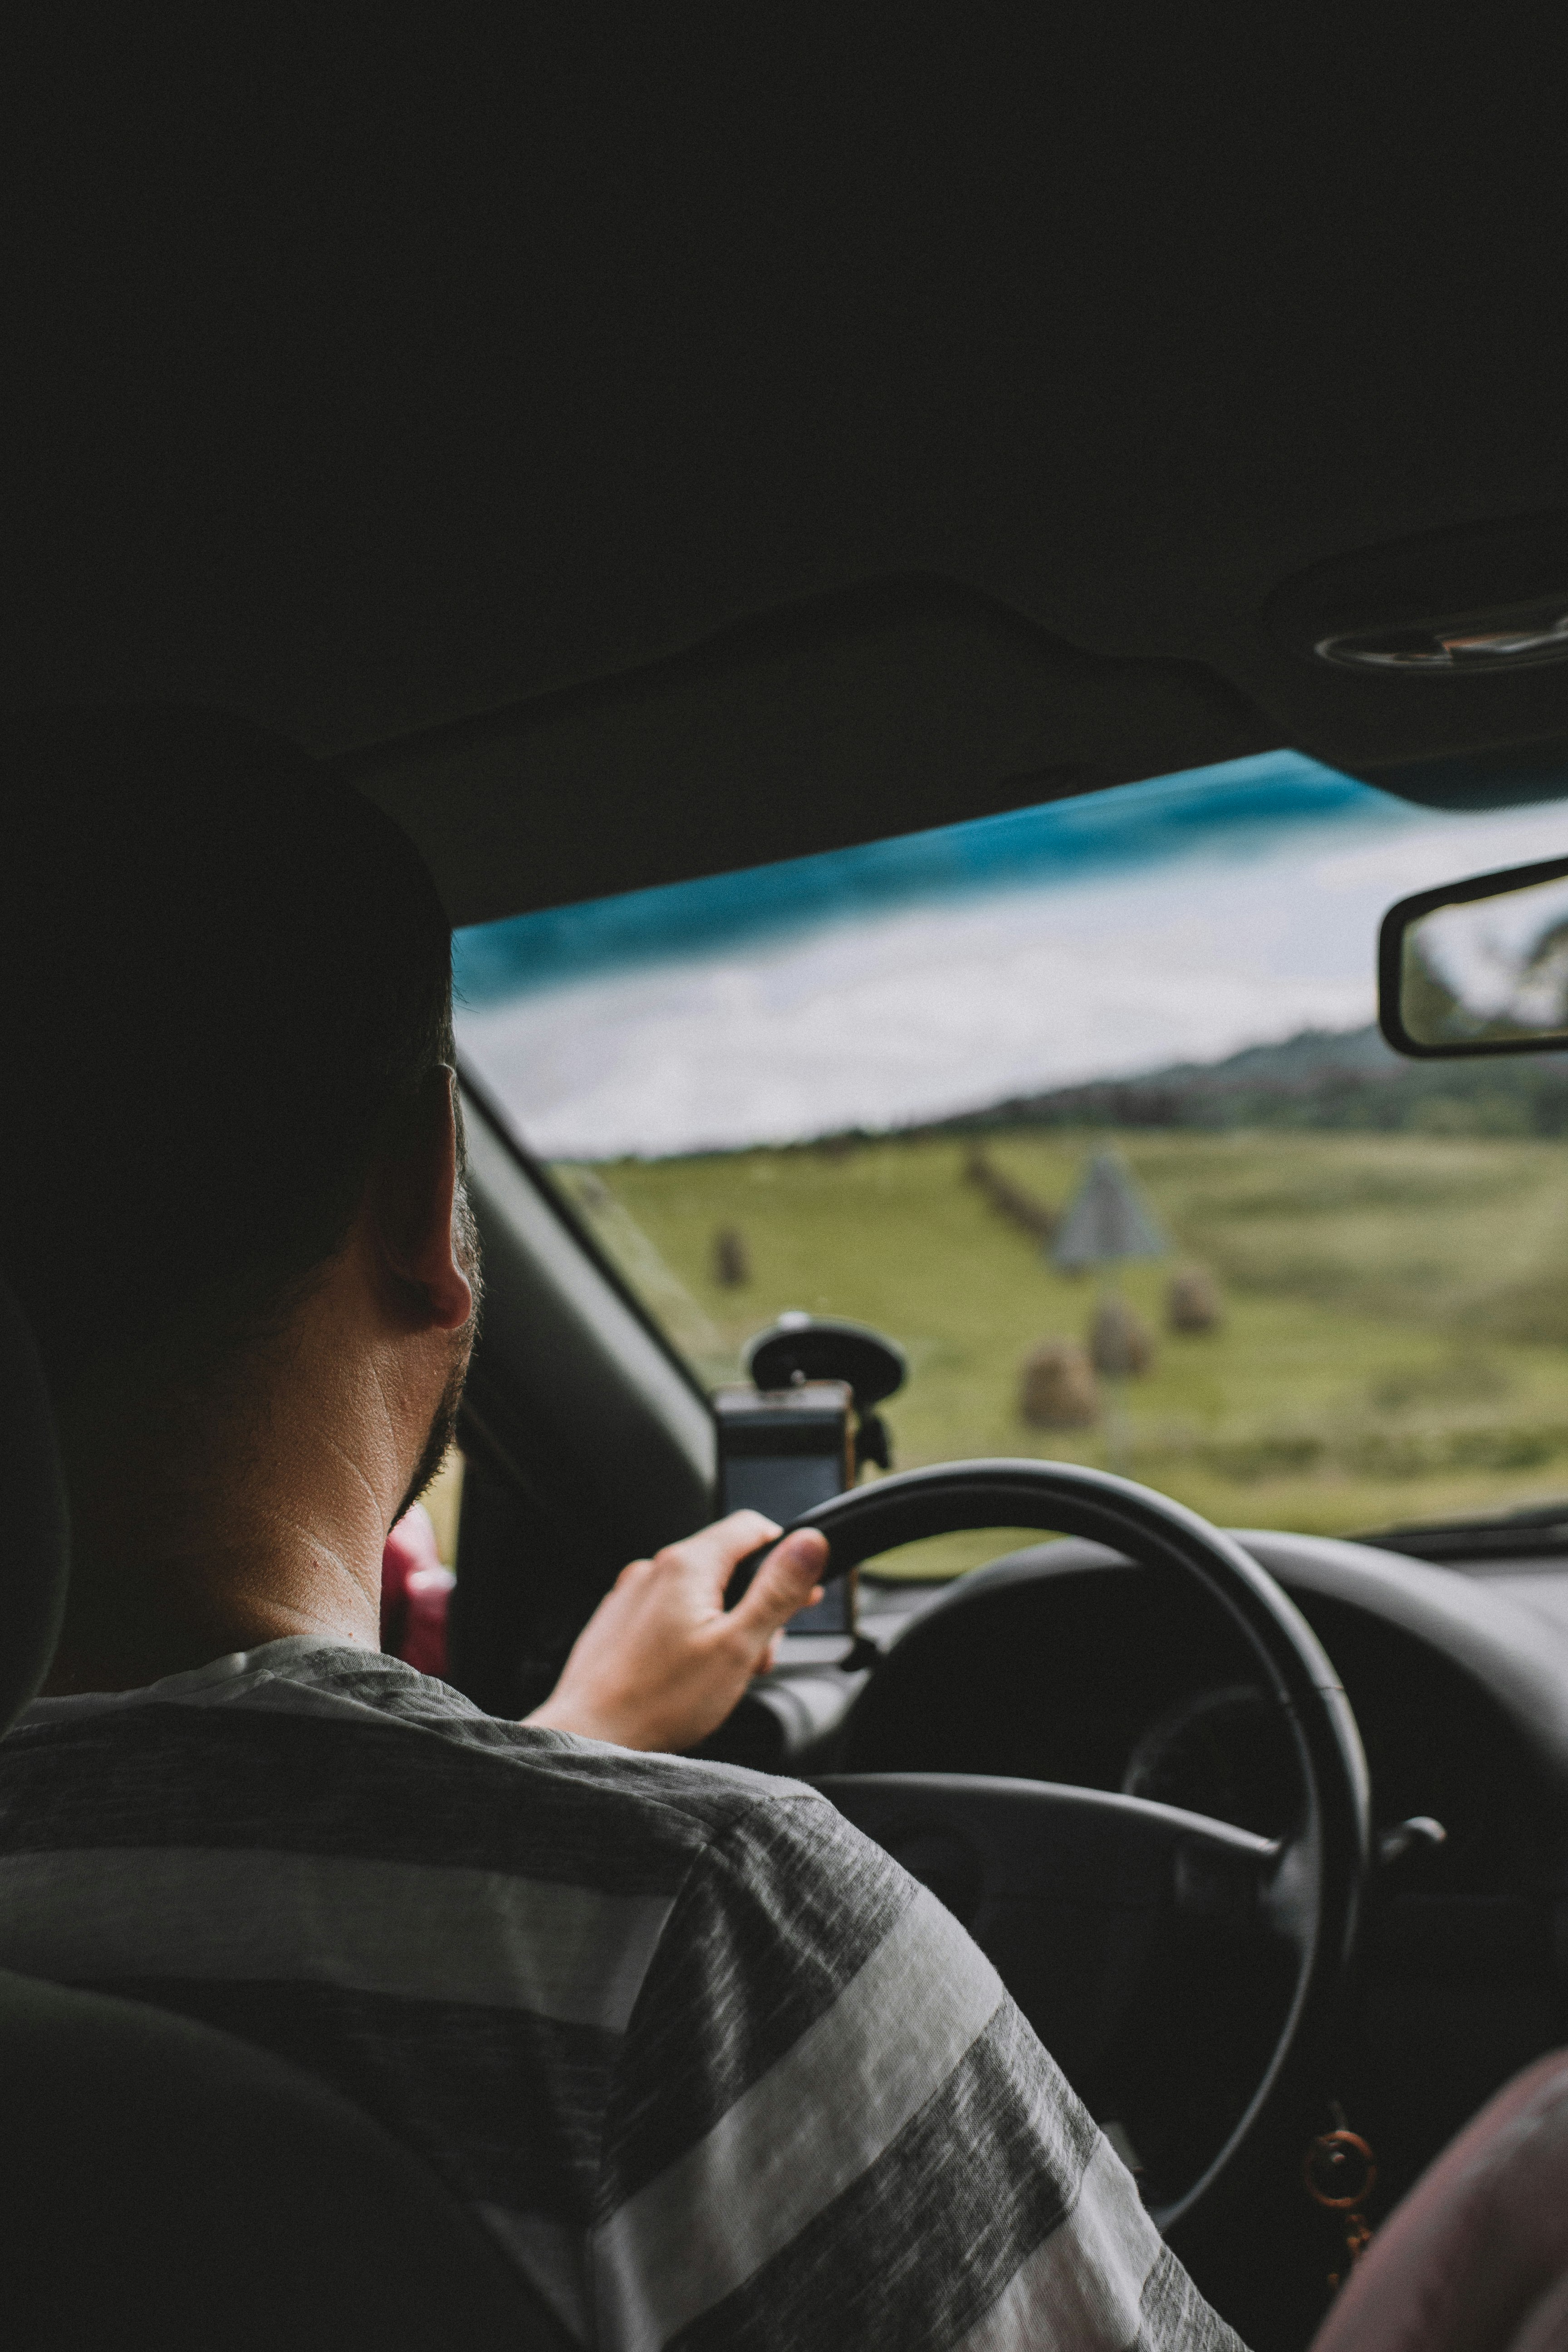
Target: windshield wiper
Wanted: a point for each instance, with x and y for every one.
(1539, 1531)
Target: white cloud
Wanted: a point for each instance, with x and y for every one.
(914, 1013)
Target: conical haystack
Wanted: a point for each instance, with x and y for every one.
(1106, 1221)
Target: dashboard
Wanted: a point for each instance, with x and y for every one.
(1063, 1662)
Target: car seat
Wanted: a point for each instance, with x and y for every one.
(160, 2182)
(1475, 2257)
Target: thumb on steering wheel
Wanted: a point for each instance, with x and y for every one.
(786, 1581)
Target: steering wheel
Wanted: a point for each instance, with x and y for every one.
(1092, 1888)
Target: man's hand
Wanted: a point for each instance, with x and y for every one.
(661, 1661)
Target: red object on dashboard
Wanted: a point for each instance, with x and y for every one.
(414, 1592)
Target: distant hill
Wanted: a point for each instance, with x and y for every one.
(1319, 1079)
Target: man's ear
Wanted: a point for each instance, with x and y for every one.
(412, 1198)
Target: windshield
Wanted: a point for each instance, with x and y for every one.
(1085, 1107)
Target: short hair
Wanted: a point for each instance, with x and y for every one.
(220, 972)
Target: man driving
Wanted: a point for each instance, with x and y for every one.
(710, 2066)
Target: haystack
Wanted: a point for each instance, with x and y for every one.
(732, 1259)
(1058, 1387)
(1193, 1302)
(1120, 1344)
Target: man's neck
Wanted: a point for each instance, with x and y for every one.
(133, 1619)
(199, 1529)
(215, 1511)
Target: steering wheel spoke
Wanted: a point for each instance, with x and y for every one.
(1085, 1901)
(1042, 1841)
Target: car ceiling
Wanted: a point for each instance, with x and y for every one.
(639, 442)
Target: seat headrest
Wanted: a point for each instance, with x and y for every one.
(34, 1549)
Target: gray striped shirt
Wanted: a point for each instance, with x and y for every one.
(712, 2068)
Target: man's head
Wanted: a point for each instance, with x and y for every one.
(226, 982)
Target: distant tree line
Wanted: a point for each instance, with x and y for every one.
(1318, 1079)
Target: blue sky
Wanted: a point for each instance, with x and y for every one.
(1174, 920)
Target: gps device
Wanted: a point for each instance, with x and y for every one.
(780, 1451)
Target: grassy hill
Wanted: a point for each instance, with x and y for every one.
(1395, 1341)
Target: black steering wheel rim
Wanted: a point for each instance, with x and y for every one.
(1063, 1498)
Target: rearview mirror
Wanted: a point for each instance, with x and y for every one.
(1479, 967)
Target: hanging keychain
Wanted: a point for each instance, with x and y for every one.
(1339, 2173)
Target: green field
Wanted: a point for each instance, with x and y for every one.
(1395, 1333)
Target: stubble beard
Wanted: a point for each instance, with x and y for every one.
(444, 1420)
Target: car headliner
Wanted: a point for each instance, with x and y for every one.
(639, 444)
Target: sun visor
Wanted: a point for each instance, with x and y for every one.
(897, 708)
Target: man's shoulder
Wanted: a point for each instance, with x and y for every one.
(336, 1748)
